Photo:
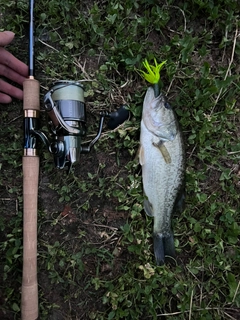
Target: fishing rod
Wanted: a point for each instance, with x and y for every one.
(66, 109)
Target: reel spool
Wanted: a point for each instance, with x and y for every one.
(66, 109)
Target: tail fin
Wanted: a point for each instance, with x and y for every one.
(163, 246)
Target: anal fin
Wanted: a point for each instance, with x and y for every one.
(180, 203)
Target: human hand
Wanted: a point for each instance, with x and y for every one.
(10, 68)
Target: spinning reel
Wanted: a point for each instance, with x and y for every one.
(66, 109)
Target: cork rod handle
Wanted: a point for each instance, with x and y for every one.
(30, 166)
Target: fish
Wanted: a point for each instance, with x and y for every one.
(162, 158)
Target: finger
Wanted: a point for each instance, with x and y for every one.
(11, 74)
(6, 37)
(10, 90)
(9, 60)
(5, 98)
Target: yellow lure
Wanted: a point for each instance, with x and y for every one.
(153, 74)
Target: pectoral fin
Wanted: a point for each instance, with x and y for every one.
(148, 208)
(141, 155)
(164, 151)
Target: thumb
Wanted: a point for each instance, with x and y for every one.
(6, 37)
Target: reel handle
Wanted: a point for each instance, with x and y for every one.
(117, 117)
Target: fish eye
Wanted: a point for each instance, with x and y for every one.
(167, 105)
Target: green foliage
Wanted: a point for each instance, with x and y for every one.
(95, 245)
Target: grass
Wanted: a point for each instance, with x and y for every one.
(94, 244)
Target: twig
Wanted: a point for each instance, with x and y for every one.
(190, 311)
(228, 69)
(228, 315)
(233, 152)
(235, 294)
(101, 226)
(14, 119)
(192, 151)
(197, 310)
(48, 45)
(75, 62)
(82, 68)
(183, 13)
(170, 85)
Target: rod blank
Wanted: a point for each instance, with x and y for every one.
(31, 40)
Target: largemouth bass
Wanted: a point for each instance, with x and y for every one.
(163, 165)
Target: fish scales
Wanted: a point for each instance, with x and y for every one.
(163, 164)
